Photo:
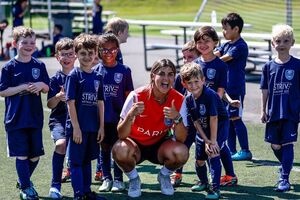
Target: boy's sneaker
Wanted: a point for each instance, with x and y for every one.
(134, 187)
(211, 194)
(28, 194)
(283, 185)
(176, 179)
(118, 186)
(242, 155)
(106, 186)
(165, 184)
(66, 175)
(98, 176)
(54, 193)
(93, 196)
(199, 186)
(227, 180)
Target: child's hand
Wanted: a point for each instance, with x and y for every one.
(171, 112)
(212, 149)
(77, 135)
(264, 117)
(137, 108)
(235, 103)
(36, 87)
(61, 95)
(100, 135)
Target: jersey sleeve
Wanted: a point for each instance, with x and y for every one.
(128, 104)
(129, 82)
(54, 87)
(264, 77)
(71, 87)
(184, 113)
(5, 80)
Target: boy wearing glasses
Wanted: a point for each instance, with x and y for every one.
(65, 55)
(117, 82)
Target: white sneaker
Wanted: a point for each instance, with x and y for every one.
(165, 184)
(54, 193)
(118, 186)
(106, 186)
(134, 187)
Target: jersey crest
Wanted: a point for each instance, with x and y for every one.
(289, 74)
(118, 77)
(211, 73)
(202, 109)
(35, 73)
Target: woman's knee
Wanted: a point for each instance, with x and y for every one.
(122, 150)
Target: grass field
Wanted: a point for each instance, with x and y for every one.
(256, 178)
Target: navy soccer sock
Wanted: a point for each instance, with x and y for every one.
(106, 164)
(87, 177)
(278, 154)
(99, 163)
(32, 166)
(57, 168)
(242, 134)
(22, 167)
(77, 179)
(201, 172)
(226, 161)
(215, 170)
(231, 141)
(287, 160)
(118, 173)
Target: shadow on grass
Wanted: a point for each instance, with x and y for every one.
(257, 163)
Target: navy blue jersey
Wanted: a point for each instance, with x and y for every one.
(23, 110)
(283, 84)
(178, 85)
(116, 81)
(236, 66)
(59, 113)
(86, 89)
(207, 105)
(119, 57)
(16, 11)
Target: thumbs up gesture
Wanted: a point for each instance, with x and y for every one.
(138, 107)
(61, 95)
(171, 112)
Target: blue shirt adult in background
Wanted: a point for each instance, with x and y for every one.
(97, 17)
(18, 11)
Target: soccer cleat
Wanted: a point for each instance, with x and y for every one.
(66, 175)
(28, 194)
(283, 185)
(106, 186)
(165, 184)
(199, 186)
(242, 155)
(118, 186)
(93, 196)
(98, 176)
(134, 187)
(176, 179)
(54, 193)
(212, 194)
(227, 180)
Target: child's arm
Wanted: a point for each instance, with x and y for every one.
(221, 92)
(201, 132)
(38, 87)
(230, 101)
(226, 58)
(61, 96)
(264, 98)
(77, 135)
(101, 117)
(213, 147)
(11, 91)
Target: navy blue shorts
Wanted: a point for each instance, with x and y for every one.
(281, 132)
(223, 129)
(26, 142)
(86, 151)
(111, 133)
(233, 111)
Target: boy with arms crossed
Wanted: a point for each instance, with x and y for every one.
(280, 84)
(85, 120)
(23, 78)
(65, 55)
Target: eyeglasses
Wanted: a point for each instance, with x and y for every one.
(69, 55)
(106, 51)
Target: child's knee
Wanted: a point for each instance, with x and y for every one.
(275, 146)
(200, 163)
(34, 159)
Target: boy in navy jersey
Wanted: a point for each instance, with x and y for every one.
(210, 119)
(65, 55)
(117, 82)
(23, 78)
(235, 53)
(280, 85)
(85, 119)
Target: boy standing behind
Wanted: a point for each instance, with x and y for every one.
(280, 84)
(85, 120)
(23, 78)
(65, 55)
(235, 53)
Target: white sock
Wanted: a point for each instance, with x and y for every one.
(165, 171)
(132, 174)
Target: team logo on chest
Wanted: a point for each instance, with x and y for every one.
(211, 73)
(118, 77)
(289, 74)
(96, 85)
(35, 73)
(202, 109)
